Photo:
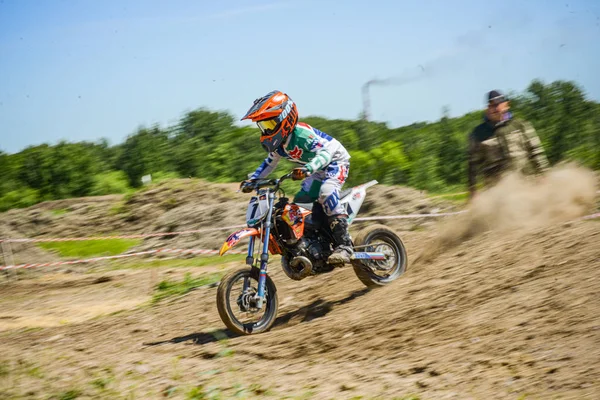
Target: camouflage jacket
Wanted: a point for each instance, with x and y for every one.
(510, 145)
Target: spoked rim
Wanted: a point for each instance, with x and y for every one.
(243, 302)
(390, 256)
(383, 269)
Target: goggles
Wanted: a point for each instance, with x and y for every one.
(267, 126)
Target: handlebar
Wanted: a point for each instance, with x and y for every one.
(260, 183)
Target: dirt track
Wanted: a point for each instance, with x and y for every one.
(496, 317)
(508, 313)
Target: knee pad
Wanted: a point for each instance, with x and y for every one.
(331, 204)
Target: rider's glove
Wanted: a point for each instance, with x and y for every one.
(247, 186)
(300, 173)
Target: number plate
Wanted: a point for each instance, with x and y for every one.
(257, 209)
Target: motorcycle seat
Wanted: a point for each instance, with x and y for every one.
(305, 201)
(345, 193)
(308, 206)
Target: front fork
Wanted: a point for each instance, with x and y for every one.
(259, 298)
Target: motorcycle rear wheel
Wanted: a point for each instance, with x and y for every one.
(379, 238)
(226, 308)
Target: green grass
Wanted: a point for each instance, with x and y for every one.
(59, 211)
(87, 248)
(68, 395)
(35, 372)
(170, 288)
(457, 197)
(202, 393)
(455, 194)
(118, 208)
(4, 368)
(100, 383)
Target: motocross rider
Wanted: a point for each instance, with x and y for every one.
(325, 162)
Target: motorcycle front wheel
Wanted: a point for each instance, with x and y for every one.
(237, 306)
(380, 239)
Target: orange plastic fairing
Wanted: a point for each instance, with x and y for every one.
(273, 246)
(294, 216)
(235, 237)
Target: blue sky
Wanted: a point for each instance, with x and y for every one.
(83, 70)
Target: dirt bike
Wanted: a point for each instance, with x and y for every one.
(299, 232)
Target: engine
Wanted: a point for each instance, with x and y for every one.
(317, 250)
(307, 255)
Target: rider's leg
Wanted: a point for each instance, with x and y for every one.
(329, 197)
(341, 238)
(309, 191)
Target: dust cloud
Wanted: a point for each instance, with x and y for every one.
(519, 203)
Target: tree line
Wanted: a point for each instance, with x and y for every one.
(207, 144)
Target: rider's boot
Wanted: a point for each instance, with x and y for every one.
(341, 240)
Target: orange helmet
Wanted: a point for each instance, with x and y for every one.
(276, 115)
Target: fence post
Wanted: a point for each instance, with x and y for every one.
(7, 258)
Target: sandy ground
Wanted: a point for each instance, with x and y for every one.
(502, 312)
(495, 317)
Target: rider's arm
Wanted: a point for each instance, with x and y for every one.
(267, 166)
(322, 159)
(534, 147)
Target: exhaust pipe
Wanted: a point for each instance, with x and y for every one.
(297, 269)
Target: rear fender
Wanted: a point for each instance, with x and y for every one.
(354, 200)
(235, 237)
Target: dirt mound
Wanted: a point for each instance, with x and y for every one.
(230, 209)
(189, 204)
(105, 215)
(506, 314)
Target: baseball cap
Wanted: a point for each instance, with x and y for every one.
(496, 97)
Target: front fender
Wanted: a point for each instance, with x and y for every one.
(235, 237)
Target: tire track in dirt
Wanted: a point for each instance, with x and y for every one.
(497, 316)
(497, 313)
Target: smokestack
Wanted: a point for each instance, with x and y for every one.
(407, 77)
(366, 101)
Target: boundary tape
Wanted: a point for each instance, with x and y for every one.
(591, 216)
(175, 233)
(192, 251)
(95, 259)
(157, 234)
(409, 216)
(136, 236)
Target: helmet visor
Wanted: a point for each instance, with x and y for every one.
(267, 126)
